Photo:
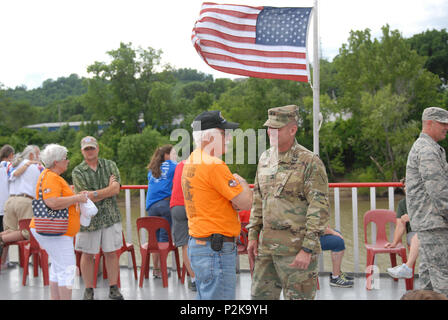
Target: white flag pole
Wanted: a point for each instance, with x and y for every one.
(316, 80)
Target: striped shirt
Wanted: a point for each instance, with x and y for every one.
(86, 179)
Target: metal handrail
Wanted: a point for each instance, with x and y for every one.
(335, 186)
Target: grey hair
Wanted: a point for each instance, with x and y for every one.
(25, 154)
(205, 135)
(53, 152)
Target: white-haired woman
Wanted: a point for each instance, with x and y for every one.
(57, 195)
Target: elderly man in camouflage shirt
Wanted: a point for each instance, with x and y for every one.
(427, 199)
(289, 213)
(101, 178)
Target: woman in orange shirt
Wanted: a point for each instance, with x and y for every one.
(57, 194)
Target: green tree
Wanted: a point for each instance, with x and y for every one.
(15, 114)
(369, 72)
(118, 91)
(366, 65)
(134, 154)
(387, 133)
(433, 44)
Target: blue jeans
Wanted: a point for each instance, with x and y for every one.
(161, 209)
(215, 271)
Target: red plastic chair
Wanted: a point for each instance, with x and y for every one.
(126, 247)
(151, 225)
(381, 217)
(20, 243)
(243, 238)
(242, 244)
(40, 256)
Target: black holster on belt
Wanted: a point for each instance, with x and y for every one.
(216, 241)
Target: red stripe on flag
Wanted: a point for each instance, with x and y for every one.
(262, 75)
(270, 54)
(230, 25)
(237, 5)
(225, 36)
(260, 64)
(236, 14)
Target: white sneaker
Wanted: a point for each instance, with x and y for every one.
(400, 272)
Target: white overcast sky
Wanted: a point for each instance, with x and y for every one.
(47, 39)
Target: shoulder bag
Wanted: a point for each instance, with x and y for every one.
(49, 222)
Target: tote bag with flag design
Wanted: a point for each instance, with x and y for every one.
(47, 221)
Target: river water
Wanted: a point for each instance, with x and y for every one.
(346, 220)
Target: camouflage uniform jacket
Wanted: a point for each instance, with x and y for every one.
(290, 206)
(84, 178)
(427, 185)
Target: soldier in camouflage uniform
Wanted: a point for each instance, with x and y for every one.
(289, 213)
(427, 199)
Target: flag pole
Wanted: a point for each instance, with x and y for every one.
(316, 80)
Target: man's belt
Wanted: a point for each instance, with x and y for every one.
(225, 239)
(22, 195)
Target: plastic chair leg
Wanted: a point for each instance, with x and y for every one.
(369, 269)
(134, 263)
(44, 266)
(143, 267)
(164, 269)
(26, 257)
(176, 254)
(35, 264)
(148, 265)
(411, 281)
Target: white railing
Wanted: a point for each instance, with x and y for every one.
(337, 212)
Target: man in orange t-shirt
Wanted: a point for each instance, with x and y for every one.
(212, 194)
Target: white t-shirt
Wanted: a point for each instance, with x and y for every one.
(4, 185)
(25, 183)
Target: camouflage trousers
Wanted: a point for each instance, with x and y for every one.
(272, 274)
(433, 268)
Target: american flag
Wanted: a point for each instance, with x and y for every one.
(261, 42)
(47, 221)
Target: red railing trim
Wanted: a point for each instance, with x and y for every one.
(365, 184)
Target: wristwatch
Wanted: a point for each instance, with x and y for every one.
(307, 250)
(95, 194)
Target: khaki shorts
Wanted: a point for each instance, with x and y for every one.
(109, 239)
(16, 209)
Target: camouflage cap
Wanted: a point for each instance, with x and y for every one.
(281, 116)
(437, 114)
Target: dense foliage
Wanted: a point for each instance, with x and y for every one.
(372, 97)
